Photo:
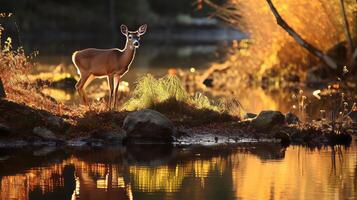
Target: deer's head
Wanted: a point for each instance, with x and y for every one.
(133, 37)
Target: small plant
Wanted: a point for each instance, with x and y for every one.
(337, 117)
(301, 102)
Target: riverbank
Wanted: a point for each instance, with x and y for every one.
(21, 125)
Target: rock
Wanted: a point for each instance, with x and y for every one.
(55, 121)
(77, 142)
(44, 133)
(66, 83)
(106, 136)
(268, 119)
(148, 125)
(2, 90)
(250, 115)
(291, 118)
(5, 131)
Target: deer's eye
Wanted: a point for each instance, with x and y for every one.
(130, 37)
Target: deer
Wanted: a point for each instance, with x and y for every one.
(113, 64)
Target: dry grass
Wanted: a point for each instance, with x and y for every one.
(14, 69)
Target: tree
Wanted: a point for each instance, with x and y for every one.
(315, 51)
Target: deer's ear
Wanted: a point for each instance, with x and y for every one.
(142, 29)
(124, 29)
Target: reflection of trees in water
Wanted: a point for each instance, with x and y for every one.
(64, 186)
(254, 171)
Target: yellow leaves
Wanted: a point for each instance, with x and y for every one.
(319, 22)
(8, 45)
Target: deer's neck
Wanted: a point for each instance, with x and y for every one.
(128, 55)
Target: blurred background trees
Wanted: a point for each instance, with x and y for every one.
(50, 18)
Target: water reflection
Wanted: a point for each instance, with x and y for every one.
(226, 172)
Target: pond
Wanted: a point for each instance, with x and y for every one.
(245, 171)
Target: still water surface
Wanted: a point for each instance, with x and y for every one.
(259, 171)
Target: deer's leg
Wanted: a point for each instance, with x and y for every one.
(85, 85)
(79, 86)
(111, 87)
(116, 92)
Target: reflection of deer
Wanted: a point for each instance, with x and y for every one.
(111, 63)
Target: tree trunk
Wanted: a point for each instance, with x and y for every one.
(113, 21)
(313, 50)
(347, 27)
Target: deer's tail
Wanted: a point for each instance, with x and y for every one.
(74, 62)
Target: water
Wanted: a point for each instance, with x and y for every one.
(250, 171)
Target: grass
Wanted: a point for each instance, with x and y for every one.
(168, 96)
(150, 92)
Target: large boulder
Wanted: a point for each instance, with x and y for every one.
(2, 90)
(268, 119)
(149, 126)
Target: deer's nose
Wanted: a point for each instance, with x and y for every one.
(136, 43)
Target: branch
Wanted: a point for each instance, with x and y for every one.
(227, 13)
(313, 50)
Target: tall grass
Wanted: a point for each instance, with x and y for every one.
(270, 47)
(15, 66)
(149, 92)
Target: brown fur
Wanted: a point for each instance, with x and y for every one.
(113, 63)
